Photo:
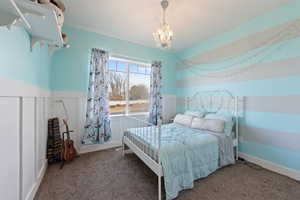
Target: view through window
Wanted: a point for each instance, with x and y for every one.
(129, 87)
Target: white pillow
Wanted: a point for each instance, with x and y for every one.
(185, 120)
(229, 123)
(214, 125)
(197, 123)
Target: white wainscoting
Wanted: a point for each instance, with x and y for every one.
(10, 148)
(76, 106)
(24, 113)
(23, 125)
(75, 103)
(28, 146)
(118, 125)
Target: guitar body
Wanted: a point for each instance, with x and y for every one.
(69, 151)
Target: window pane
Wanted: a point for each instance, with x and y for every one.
(137, 90)
(148, 70)
(134, 68)
(141, 70)
(139, 85)
(121, 66)
(112, 65)
(117, 92)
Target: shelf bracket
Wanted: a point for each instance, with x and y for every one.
(37, 19)
(20, 14)
(8, 26)
(33, 42)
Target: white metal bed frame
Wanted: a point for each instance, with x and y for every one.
(203, 100)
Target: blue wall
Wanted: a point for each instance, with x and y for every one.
(70, 67)
(267, 74)
(17, 62)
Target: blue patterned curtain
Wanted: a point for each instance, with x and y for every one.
(97, 124)
(155, 111)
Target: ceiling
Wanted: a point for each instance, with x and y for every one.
(191, 20)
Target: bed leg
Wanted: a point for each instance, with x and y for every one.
(159, 187)
(123, 149)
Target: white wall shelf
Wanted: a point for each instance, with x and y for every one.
(39, 20)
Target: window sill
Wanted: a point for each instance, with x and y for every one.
(142, 114)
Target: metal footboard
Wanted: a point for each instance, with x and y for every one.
(144, 139)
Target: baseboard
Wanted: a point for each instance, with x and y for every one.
(98, 147)
(292, 173)
(34, 189)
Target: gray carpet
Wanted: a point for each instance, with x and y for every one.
(106, 175)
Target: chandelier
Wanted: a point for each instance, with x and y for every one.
(164, 34)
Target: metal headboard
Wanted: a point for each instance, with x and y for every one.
(214, 101)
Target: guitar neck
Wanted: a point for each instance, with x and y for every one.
(67, 129)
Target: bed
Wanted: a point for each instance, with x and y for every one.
(183, 154)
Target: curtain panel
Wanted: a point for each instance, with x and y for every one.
(155, 110)
(97, 128)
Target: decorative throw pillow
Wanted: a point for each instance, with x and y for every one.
(185, 120)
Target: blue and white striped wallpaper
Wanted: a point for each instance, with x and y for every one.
(259, 60)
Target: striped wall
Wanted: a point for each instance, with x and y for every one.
(259, 60)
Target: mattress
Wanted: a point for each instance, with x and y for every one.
(148, 143)
(171, 135)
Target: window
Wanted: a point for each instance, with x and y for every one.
(129, 87)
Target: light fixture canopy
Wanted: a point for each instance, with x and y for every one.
(164, 34)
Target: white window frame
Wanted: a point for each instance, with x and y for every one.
(128, 62)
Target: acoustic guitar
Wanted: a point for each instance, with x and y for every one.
(69, 152)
